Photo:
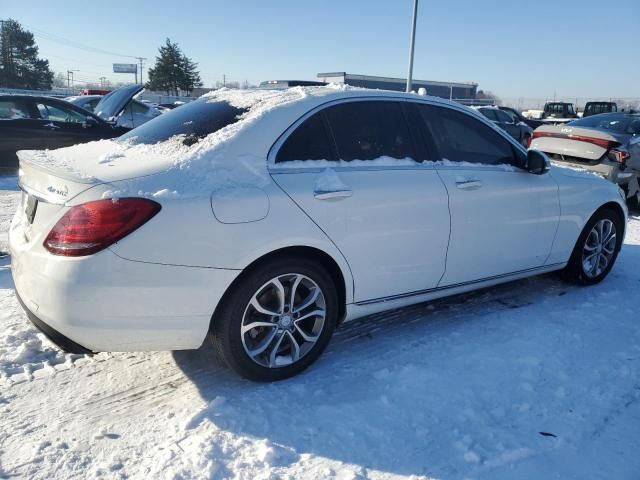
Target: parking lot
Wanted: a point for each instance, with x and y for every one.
(534, 378)
(339, 241)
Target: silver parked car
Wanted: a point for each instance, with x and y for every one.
(607, 144)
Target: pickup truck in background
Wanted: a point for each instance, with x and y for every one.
(555, 113)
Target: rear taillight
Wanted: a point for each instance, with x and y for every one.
(619, 156)
(88, 228)
(580, 138)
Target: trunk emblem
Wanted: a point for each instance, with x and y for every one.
(62, 192)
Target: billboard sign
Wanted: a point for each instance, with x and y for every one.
(125, 68)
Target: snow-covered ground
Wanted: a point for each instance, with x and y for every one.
(531, 380)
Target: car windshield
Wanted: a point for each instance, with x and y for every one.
(193, 121)
(617, 122)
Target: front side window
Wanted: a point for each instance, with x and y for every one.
(57, 113)
(461, 138)
(366, 130)
(310, 141)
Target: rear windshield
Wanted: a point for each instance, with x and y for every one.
(193, 121)
(595, 108)
(617, 122)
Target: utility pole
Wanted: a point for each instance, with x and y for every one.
(412, 44)
(70, 79)
(102, 80)
(224, 80)
(141, 60)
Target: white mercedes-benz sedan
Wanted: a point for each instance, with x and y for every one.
(264, 218)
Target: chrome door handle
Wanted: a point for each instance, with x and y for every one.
(51, 126)
(468, 184)
(329, 194)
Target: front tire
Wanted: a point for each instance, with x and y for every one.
(596, 249)
(277, 320)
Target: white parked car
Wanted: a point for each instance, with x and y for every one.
(266, 217)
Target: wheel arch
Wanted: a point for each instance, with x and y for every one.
(616, 207)
(323, 258)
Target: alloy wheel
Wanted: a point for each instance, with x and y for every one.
(599, 248)
(283, 320)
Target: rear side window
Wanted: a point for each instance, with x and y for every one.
(13, 109)
(193, 121)
(461, 138)
(308, 142)
(369, 130)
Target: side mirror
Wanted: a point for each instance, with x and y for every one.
(537, 162)
(89, 122)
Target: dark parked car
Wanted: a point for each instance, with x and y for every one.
(518, 130)
(595, 108)
(516, 116)
(34, 123)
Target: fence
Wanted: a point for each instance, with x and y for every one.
(537, 103)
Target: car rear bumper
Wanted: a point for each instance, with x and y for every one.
(103, 302)
(609, 171)
(65, 344)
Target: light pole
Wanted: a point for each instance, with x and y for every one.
(412, 43)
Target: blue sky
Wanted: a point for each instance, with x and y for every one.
(573, 48)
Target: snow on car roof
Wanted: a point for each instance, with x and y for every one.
(235, 153)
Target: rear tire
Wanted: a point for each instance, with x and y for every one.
(633, 202)
(596, 250)
(277, 320)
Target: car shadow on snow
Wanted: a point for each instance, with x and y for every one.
(395, 391)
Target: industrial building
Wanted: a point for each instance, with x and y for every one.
(460, 91)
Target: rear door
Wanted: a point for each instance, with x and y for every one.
(350, 167)
(503, 218)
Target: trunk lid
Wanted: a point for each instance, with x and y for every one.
(114, 102)
(51, 179)
(580, 143)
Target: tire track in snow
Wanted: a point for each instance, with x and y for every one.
(170, 385)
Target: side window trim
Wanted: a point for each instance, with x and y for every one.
(420, 133)
(328, 131)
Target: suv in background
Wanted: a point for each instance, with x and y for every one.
(594, 108)
(558, 112)
(518, 130)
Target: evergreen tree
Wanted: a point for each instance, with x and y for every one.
(20, 66)
(173, 71)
